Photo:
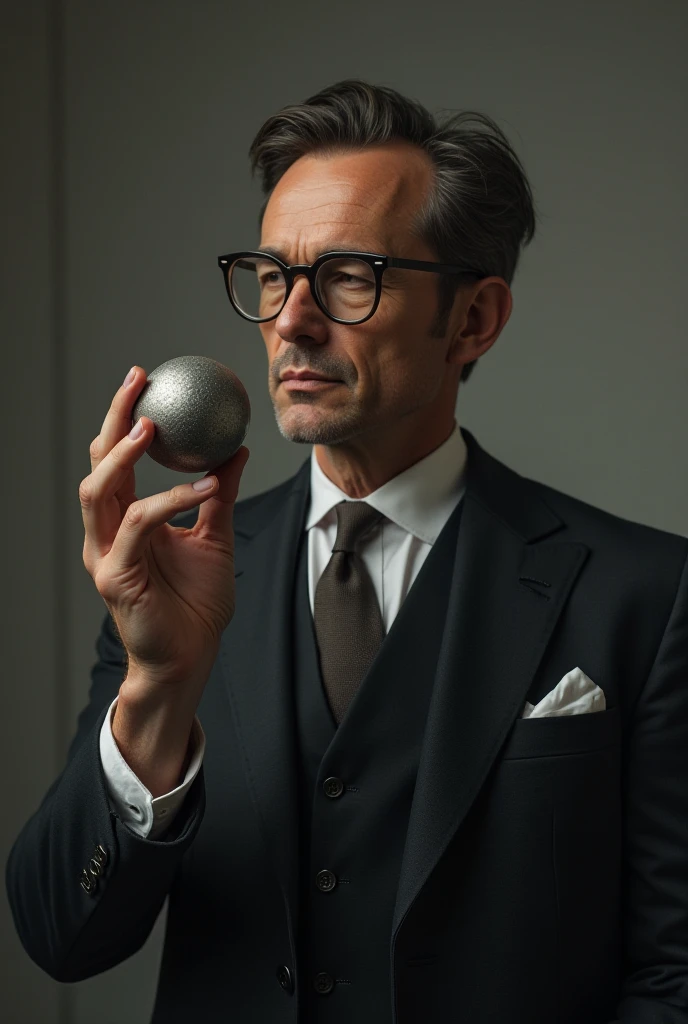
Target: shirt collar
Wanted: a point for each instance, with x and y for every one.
(420, 499)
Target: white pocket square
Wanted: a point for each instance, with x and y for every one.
(575, 694)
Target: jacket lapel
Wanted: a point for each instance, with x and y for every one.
(499, 621)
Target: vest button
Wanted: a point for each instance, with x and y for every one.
(285, 979)
(325, 880)
(333, 787)
(324, 983)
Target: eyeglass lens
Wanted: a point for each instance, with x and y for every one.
(345, 286)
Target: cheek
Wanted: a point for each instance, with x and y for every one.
(393, 369)
(411, 311)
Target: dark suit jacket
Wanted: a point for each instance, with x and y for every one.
(542, 856)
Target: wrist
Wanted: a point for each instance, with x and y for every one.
(153, 731)
(147, 691)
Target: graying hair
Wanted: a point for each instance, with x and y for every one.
(479, 210)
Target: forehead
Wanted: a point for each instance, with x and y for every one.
(362, 199)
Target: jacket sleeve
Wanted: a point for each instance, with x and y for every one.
(655, 842)
(84, 889)
(147, 816)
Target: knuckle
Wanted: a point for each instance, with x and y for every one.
(94, 447)
(86, 491)
(119, 453)
(103, 585)
(134, 514)
(86, 556)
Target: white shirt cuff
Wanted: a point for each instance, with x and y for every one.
(147, 816)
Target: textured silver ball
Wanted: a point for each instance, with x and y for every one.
(200, 410)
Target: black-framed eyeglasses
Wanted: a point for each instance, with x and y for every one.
(345, 285)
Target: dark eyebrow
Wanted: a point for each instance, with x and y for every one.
(334, 247)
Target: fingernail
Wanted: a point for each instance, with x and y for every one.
(204, 483)
(129, 377)
(136, 430)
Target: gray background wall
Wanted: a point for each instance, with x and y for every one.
(124, 174)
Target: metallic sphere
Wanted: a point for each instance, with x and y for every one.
(200, 410)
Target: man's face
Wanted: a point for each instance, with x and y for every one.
(391, 369)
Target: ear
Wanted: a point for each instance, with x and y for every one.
(486, 307)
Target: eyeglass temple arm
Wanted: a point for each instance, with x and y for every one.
(437, 268)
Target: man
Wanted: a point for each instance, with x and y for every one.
(442, 772)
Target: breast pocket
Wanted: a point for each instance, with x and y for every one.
(564, 734)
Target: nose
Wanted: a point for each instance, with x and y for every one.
(300, 313)
(302, 283)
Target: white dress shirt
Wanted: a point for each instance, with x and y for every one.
(415, 504)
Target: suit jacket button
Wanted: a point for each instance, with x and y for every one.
(325, 880)
(324, 983)
(333, 786)
(100, 854)
(95, 867)
(285, 979)
(87, 882)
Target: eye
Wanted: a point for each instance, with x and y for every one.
(352, 277)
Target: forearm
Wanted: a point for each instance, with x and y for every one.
(152, 726)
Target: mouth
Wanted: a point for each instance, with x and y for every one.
(308, 383)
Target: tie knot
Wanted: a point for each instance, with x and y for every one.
(354, 518)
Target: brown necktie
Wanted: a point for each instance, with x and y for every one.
(348, 623)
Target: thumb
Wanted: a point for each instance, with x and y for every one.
(215, 513)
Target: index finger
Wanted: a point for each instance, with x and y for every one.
(117, 422)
